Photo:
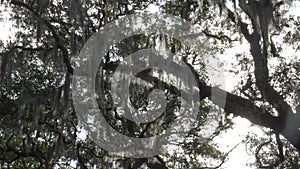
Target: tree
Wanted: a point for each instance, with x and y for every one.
(39, 126)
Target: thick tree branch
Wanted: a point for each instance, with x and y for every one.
(236, 105)
(261, 65)
(285, 123)
(239, 106)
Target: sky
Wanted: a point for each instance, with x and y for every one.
(7, 31)
(237, 158)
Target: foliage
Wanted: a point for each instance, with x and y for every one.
(39, 126)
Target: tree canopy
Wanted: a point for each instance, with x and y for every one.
(40, 127)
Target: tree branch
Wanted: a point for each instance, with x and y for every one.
(280, 155)
(285, 123)
(53, 31)
(219, 37)
(235, 19)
